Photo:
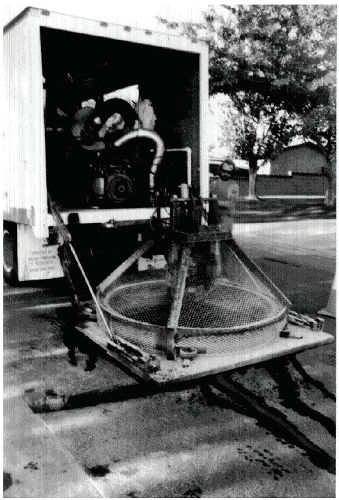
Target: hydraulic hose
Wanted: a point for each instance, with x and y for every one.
(159, 152)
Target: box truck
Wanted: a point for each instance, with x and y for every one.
(105, 124)
(80, 97)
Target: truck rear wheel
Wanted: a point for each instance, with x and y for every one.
(10, 268)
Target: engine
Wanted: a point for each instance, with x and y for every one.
(121, 158)
(113, 184)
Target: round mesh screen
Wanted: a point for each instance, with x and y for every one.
(223, 306)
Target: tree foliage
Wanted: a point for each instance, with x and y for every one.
(319, 125)
(267, 58)
(224, 124)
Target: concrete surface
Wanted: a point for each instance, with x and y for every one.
(177, 444)
(36, 465)
(180, 445)
(37, 363)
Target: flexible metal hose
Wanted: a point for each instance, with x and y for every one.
(159, 152)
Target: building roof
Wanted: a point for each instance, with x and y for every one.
(309, 144)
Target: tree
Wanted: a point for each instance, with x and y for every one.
(319, 125)
(266, 57)
(223, 126)
(262, 131)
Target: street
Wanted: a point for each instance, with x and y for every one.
(187, 442)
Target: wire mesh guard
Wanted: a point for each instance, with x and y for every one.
(227, 305)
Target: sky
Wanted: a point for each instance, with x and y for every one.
(135, 13)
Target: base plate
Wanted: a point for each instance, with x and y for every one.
(203, 365)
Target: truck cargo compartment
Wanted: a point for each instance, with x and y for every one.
(81, 71)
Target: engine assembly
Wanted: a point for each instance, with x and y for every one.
(122, 160)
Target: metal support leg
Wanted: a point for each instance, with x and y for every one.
(174, 315)
(173, 258)
(215, 251)
(65, 259)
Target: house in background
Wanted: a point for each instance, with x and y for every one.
(306, 158)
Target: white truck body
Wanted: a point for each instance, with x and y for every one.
(25, 197)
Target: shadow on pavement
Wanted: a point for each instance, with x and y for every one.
(275, 210)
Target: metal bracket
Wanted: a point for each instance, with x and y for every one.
(299, 319)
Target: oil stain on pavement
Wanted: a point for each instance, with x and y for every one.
(269, 463)
(253, 393)
(98, 470)
(7, 481)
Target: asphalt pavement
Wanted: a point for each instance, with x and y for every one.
(279, 209)
(108, 441)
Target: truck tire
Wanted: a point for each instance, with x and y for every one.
(10, 267)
